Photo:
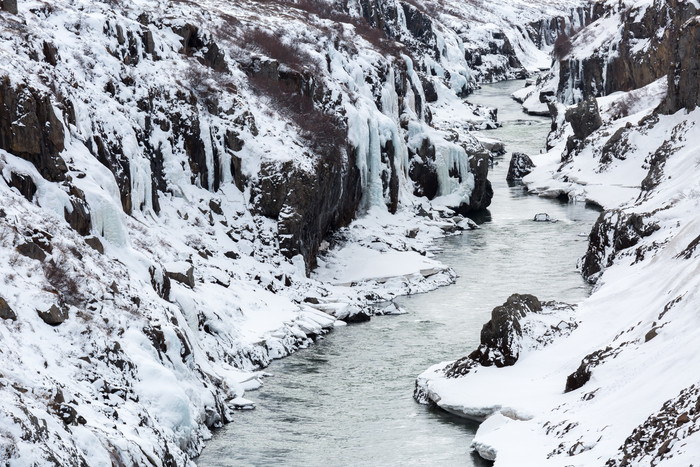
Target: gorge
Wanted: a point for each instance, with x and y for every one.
(194, 190)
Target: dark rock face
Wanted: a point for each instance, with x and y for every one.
(614, 231)
(192, 41)
(684, 78)
(582, 375)
(54, 315)
(96, 244)
(10, 6)
(418, 24)
(307, 205)
(50, 53)
(615, 147)
(160, 281)
(359, 317)
(500, 337)
(625, 69)
(6, 312)
(32, 250)
(520, 165)
(79, 216)
(483, 191)
(390, 177)
(423, 171)
(384, 16)
(111, 155)
(24, 184)
(186, 277)
(502, 331)
(584, 118)
(431, 94)
(30, 129)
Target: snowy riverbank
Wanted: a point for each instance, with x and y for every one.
(617, 388)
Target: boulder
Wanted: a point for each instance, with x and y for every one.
(520, 165)
(54, 315)
(6, 312)
(182, 272)
(215, 206)
(32, 250)
(95, 243)
(582, 375)
(358, 316)
(500, 337)
(493, 145)
(543, 217)
(24, 184)
(584, 118)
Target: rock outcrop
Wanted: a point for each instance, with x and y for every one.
(30, 129)
(520, 165)
(307, 205)
(584, 119)
(684, 75)
(6, 312)
(614, 231)
(500, 337)
(54, 316)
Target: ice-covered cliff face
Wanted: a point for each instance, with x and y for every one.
(171, 171)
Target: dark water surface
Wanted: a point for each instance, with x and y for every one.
(348, 400)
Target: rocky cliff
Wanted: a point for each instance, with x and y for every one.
(631, 46)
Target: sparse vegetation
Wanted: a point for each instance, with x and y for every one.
(272, 46)
(60, 275)
(623, 106)
(562, 46)
(327, 11)
(324, 133)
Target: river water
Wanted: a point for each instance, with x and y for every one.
(348, 399)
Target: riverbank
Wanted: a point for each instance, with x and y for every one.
(615, 390)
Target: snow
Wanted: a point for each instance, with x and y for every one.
(586, 178)
(529, 419)
(355, 263)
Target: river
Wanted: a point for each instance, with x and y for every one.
(348, 399)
